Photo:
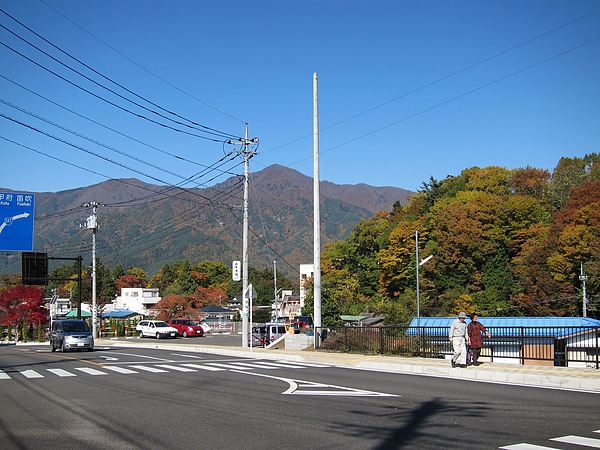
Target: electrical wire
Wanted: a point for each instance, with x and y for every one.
(142, 67)
(196, 126)
(107, 127)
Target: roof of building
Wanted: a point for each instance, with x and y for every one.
(120, 313)
(513, 321)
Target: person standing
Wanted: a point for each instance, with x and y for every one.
(459, 339)
(474, 330)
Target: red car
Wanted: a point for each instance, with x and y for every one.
(187, 327)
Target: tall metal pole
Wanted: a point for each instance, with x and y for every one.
(275, 290)
(584, 278)
(317, 215)
(418, 288)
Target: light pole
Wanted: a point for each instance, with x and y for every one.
(583, 277)
(419, 264)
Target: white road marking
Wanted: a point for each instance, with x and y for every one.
(578, 440)
(229, 366)
(149, 369)
(526, 447)
(119, 369)
(31, 374)
(4, 375)
(204, 367)
(284, 365)
(301, 387)
(178, 368)
(90, 371)
(61, 373)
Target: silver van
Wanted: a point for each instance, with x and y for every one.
(71, 334)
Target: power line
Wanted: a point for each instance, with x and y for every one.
(142, 67)
(108, 101)
(427, 85)
(203, 128)
(107, 127)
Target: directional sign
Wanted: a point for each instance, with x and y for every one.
(16, 221)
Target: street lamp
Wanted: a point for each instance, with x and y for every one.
(419, 264)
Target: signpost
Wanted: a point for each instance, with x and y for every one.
(16, 228)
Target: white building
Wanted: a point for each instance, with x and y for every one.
(307, 274)
(139, 300)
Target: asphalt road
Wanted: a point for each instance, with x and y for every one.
(134, 398)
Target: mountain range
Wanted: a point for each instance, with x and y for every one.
(145, 225)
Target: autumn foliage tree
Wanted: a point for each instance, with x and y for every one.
(22, 308)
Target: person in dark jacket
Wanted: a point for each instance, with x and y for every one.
(474, 329)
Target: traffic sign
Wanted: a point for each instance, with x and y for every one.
(16, 226)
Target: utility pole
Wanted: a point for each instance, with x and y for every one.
(92, 223)
(275, 290)
(583, 277)
(246, 153)
(317, 216)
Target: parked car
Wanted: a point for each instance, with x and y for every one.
(155, 328)
(187, 327)
(72, 334)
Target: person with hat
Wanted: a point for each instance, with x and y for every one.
(459, 338)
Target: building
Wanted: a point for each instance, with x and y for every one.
(307, 274)
(138, 300)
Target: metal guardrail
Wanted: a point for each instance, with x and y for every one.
(557, 346)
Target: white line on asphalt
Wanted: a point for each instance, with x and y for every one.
(578, 440)
(229, 366)
(203, 367)
(31, 374)
(123, 370)
(526, 447)
(179, 368)
(62, 373)
(90, 371)
(149, 369)
(4, 375)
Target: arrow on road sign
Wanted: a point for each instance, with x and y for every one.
(9, 220)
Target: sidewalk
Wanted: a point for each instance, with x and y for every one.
(579, 379)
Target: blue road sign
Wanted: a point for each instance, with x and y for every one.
(16, 226)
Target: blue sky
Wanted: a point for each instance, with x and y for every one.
(407, 89)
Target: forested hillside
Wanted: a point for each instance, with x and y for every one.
(503, 242)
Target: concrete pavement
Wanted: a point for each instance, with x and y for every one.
(580, 379)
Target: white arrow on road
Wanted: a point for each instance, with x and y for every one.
(9, 220)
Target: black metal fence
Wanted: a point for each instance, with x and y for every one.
(556, 346)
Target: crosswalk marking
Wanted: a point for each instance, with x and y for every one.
(178, 368)
(284, 365)
(90, 371)
(526, 447)
(31, 374)
(204, 367)
(255, 365)
(149, 369)
(248, 365)
(578, 440)
(119, 369)
(61, 373)
(570, 439)
(229, 366)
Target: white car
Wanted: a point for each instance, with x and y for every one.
(155, 328)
